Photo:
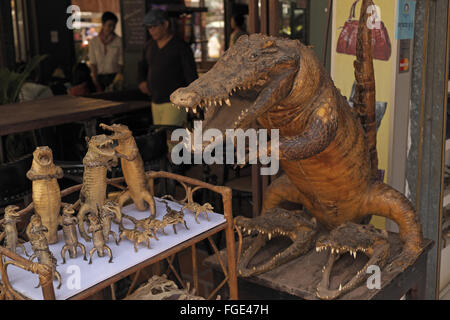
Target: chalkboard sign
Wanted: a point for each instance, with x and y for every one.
(134, 33)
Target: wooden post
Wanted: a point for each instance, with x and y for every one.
(274, 17)
(194, 268)
(253, 16)
(264, 17)
(231, 251)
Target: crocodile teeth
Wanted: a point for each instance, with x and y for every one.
(340, 287)
(221, 102)
(228, 102)
(270, 236)
(187, 109)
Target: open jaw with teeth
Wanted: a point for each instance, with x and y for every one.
(276, 223)
(353, 239)
(249, 79)
(225, 112)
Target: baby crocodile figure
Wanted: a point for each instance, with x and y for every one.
(136, 236)
(133, 169)
(10, 230)
(99, 158)
(36, 233)
(148, 224)
(197, 209)
(107, 213)
(173, 217)
(69, 226)
(95, 227)
(278, 83)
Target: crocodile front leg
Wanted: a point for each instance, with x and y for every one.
(83, 250)
(81, 218)
(281, 189)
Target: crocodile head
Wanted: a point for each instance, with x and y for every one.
(100, 151)
(353, 239)
(277, 223)
(111, 209)
(249, 79)
(43, 158)
(68, 211)
(11, 213)
(120, 131)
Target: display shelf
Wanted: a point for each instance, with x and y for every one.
(81, 280)
(124, 256)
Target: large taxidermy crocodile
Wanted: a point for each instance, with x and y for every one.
(324, 150)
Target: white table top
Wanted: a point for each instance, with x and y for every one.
(77, 275)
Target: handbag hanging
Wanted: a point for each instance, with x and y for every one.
(381, 44)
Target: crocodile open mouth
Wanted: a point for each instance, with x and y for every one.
(277, 224)
(227, 110)
(119, 131)
(104, 145)
(43, 156)
(354, 240)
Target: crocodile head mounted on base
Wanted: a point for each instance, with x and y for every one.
(276, 223)
(246, 82)
(351, 238)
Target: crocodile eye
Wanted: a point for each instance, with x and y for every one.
(253, 56)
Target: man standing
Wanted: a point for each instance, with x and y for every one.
(106, 54)
(167, 64)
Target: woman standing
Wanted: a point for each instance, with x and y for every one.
(106, 54)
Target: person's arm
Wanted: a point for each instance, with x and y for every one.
(93, 62)
(143, 69)
(189, 65)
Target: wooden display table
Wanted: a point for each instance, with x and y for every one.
(42, 113)
(18, 280)
(299, 278)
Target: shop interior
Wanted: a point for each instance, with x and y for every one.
(201, 249)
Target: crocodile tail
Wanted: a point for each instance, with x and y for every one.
(364, 99)
(385, 201)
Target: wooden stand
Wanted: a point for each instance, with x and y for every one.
(299, 278)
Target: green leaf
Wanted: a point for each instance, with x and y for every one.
(11, 82)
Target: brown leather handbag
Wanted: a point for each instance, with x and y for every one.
(381, 43)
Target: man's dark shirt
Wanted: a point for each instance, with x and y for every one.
(167, 69)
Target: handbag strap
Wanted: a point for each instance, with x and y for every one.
(353, 10)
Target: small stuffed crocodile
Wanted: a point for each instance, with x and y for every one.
(69, 226)
(133, 169)
(36, 233)
(10, 230)
(95, 227)
(99, 158)
(46, 192)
